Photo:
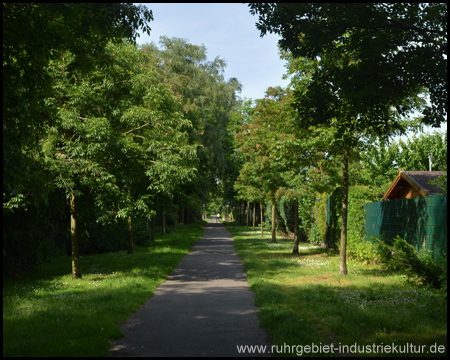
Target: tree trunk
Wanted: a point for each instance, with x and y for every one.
(153, 227)
(295, 250)
(76, 269)
(130, 236)
(254, 215)
(274, 228)
(164, 222)
(182, 217)
(176, 218)
(261, 210)
(343, 249)
(247, 210)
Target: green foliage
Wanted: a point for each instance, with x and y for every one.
(315, 237)
(119, 136)
(402, 257)
(319, 230)
(378, 164)
(286, 210)
(382, 51)
(414, 152)
(440, 183)
(280, 159)
(209, 102)
(34, 34)
(305, 205)
(357, 247)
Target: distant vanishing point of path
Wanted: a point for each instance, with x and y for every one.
(205, 308)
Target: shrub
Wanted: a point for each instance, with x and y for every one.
(362, 250)
(416, 265)
(314, 235)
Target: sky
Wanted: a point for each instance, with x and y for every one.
(227, 31)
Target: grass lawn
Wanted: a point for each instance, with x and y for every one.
(303, 300)
(47, 313)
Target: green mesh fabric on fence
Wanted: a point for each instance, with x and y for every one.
(421, 221)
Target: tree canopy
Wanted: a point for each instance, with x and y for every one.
(393, 51)
(33, 35)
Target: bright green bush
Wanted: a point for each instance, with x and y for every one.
(416, 265)
(357, 247)
(314, 235)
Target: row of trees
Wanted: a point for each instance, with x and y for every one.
(357, 71)
(121, 132)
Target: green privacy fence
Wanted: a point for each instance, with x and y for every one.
(421, 221)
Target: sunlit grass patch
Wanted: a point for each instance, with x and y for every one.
(302, 299)
(50, 314)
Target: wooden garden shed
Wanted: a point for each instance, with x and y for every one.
(409, 184)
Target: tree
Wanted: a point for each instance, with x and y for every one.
(415, 151)
(119, 130)
(399, 49)
(258, 141)
(351, 130)
(33, 35)
(379, 164)
(209, 100)
(335, 55)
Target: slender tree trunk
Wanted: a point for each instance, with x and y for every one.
(343, 249)
(176, 218)
(274, 228)
(295, 250)
(254, 215)
(153, 227)
(76, 269)
(164, 222)
(130, 236)
(261, 210)
(247, 210)
(182, 217)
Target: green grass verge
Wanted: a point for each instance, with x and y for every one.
(47, 313)
(303, 300)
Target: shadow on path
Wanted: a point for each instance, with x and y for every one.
(205, 308)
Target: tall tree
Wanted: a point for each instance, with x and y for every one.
(263, 143)
(33, 35)
(329, 86)
(352, 130)
(119, 130)
(209, 99)
(297, 156)
(398, 48)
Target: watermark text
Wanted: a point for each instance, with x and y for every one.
(320, 348)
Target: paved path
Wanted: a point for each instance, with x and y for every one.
(205, 308)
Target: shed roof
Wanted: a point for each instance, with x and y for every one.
(418, 180)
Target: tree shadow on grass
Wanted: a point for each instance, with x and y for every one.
(364, 315)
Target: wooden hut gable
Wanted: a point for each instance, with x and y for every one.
(409, 184)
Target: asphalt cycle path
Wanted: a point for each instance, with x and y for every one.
(205, 308)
